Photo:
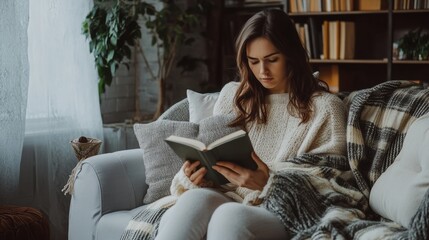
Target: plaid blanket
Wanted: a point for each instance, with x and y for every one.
(326, 203)
(326, 197)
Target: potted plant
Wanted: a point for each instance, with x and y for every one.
(112, 29)
(414, 45)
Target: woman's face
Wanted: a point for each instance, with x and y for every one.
(268, 64)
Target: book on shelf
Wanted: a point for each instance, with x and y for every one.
(408, 4)
(372, 5)
(347, 40)
(315, 6)
(235, 147)
(293, 6)
(328, 5)
(307, 40)
(316, 38)
(325, 5)
(338, 40)
(334, 39)
(262, 1)
(325, 34)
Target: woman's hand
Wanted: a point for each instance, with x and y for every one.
(243, 177)
(195, 175)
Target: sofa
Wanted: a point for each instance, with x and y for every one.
(109, 188)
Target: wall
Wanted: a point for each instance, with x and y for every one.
(119, 102)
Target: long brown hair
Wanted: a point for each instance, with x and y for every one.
(276, 26)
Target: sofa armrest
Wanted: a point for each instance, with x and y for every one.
(106, 183)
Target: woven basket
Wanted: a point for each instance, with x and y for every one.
(82, 150)
(85, 150)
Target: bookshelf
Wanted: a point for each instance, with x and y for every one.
(233, 15)
(377, 25)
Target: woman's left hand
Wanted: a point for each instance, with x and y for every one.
(244, 177)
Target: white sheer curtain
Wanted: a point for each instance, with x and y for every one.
(62, 103)
(13, 94)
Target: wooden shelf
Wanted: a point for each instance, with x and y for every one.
(241, 6)
(410, 62)
(308, 14)
(411, 11)
(349, 61)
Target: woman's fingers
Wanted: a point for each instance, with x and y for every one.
(197, 177)
(194, 165)
(261, 165)
(189, 167)
(243, 177)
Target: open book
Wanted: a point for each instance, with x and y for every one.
(235, 147)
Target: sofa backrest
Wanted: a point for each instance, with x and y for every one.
(178, 112)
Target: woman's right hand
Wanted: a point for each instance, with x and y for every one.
(195, 174)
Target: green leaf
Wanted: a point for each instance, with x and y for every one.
(114, 40)
(101, 86)
(100, 71)
(113, 67)
(91, 46)
(111, 55)
(108, 79)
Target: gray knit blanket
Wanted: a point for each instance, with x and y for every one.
(326, 197)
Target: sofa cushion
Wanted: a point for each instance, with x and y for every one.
(397, 193)
(200, 105)
(161, 163)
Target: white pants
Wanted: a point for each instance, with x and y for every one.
(206, 213)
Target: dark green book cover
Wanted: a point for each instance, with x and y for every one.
(235, 147)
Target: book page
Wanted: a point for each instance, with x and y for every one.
(188, 142)
(226, 138)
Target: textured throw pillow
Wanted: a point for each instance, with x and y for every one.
(398, 192)
(160, 161)
(200, 105)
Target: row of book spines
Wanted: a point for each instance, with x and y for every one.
(410, 4)
(296, 6)
(338, 40)
(332, 40)
(331, 5)
(320, 5)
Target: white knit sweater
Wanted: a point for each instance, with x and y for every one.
(283, 137)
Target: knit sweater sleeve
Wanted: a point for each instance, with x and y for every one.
(181, 183)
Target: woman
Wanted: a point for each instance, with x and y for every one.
(286, 111)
